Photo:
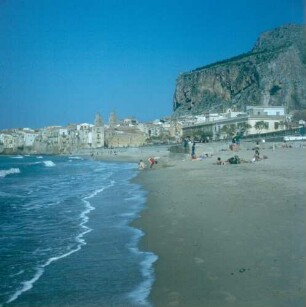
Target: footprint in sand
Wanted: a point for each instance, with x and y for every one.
(212, 277)
(198, 260)
(228, 297)
(174, 298)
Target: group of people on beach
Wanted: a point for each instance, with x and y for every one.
(142, 165)
(234, 146)
(232, 160)
(200, 157)
(237, 160)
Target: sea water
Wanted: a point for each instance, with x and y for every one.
(65, 234)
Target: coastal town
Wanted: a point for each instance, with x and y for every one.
(200, 206)
(129, 132)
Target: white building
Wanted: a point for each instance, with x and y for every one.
(97, 136)
(257, 120)
(84, 135)
(265, 111)
(29, 137)
(7, 140)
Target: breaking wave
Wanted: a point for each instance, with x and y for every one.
(10, 171)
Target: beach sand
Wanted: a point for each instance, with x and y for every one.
(230, 235)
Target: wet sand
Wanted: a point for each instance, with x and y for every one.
(230, 235)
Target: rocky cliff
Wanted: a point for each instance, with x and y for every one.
(272, 73)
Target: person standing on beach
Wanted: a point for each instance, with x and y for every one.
(257, 146)
(193, 151)
(185, 144)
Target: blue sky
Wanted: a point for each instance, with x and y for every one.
(61, 61)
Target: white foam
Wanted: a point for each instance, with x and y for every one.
(89, 207)
(10, 171)
(39, 157)
(141, 293)
(49, 163)
(76, 158)
(27, 285)
(34, 163)
(46, 163)
(96, 192)
(18, 273)
(17, 157)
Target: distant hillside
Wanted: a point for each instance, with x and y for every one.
(272, 73)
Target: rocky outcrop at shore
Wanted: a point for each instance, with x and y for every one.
(272, 73)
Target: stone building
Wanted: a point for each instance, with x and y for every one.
(18, 140)
(7, 140)
(98, 132)
(124, 136)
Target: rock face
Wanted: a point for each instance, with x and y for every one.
(272, 73)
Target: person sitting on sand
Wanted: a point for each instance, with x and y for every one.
(141, 165)
(286, 145)
(256, 156)
(219, 161)
(237, 160)
(234, 160)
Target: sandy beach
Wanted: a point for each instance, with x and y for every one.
(230, 235)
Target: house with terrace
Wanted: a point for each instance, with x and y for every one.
(255, 120)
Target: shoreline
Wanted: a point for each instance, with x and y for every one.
(231, 235)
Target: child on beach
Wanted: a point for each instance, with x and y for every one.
(152, 161)
(141, 165)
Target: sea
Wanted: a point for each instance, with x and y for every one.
(65, 233)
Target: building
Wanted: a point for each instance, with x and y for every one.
(7, 140)
(256, 120)
(265, 111)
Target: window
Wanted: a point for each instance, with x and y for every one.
(276, 125)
